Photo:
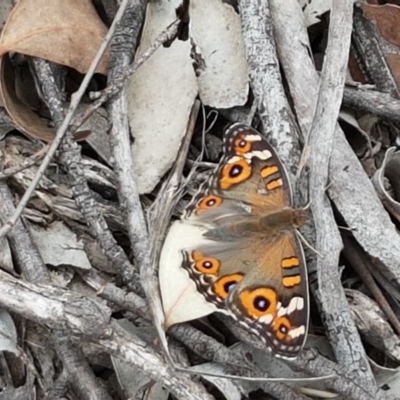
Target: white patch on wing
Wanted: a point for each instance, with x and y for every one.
(294, 333)
(282, 311)
(297, 303)
(262, 155)
(180, 297)
(266, 319)
(233, 159)
(253, 138)
(300, 303)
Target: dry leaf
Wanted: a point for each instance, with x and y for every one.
(59, 246)
(389, 170)
(161, 95)
(5, 8)
(387, 377)
(358, 139)
(372, 324)
(386, 18)
(65, 32)
(8, 333)
(313, 9)
(22, 116)
(216, 30)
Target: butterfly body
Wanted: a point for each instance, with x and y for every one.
(247, 260)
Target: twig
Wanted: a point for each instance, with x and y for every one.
(320, 142)
(293, 48)
(70, 157)
(266, 82)
(63, 309)
(119, 132)
(121, 149)
(353, 254)
(372, 101)
(168, 34)
(370, 53)
(64, 126)
(33, 269)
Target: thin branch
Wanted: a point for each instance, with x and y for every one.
(266, 82)
(372, 101)
(303, 81)
(63, 309)
(354, 254)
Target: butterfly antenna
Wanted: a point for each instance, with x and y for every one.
(346, 228)
(307, 206)
(304, 240)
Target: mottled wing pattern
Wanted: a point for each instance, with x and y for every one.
(256, 273)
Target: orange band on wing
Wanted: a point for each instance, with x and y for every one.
(290, 262)
(274, 184)
(290, 281)
(268, 171)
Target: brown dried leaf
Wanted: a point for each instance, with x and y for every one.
(386, 18)
(65, 32)
(389, 170)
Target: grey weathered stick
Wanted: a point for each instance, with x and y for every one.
(71, 159)
(33, 269)
(121, 55)
(371, 55)
(59, 308)
(64, 126)
(350, 188)
(266, 82)
(320, 143)
(292, 42)
(372, 101)
(123, 166)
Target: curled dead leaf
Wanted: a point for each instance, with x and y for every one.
(386, 19)
(23, 117)
(65, 32)
(389, 171)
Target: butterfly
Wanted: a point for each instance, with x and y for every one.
(239, 250)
